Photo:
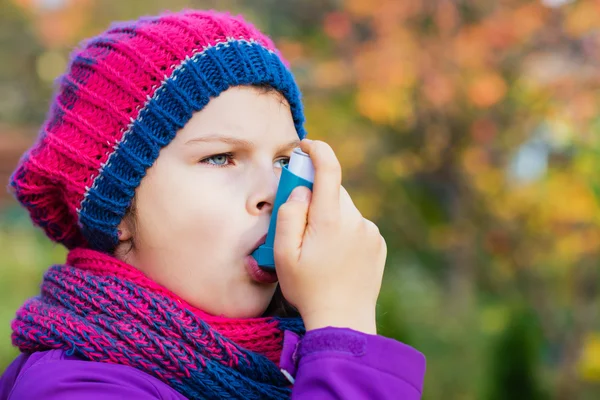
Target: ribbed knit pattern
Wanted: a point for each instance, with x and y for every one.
(104, 310)
(125, 95)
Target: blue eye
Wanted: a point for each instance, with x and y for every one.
(219, 160)
(226, 159)
(283, 162)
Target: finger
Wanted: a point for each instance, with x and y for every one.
(328, 179)
(291, 224)
(347, 206)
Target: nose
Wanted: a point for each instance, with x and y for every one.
(262, 195)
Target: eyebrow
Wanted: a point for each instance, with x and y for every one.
(239, 142)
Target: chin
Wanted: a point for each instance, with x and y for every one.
(250, 305)
(247, 311)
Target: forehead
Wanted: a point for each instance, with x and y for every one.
(245, 112)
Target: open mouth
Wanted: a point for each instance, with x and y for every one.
(261, 241)
(257, 273)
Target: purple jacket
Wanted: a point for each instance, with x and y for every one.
(328, 363)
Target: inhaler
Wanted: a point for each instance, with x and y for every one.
(299, 172)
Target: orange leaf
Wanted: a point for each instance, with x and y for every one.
(337, 25)
(487, 89)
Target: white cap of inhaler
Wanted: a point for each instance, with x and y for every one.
(301, 165)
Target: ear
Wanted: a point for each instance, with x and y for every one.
(124, 230)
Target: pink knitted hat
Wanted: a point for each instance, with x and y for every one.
(124, 97)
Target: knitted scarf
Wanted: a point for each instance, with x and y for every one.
(104, 310)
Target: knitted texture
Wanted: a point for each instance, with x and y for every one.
(125, 95)
(104, 310)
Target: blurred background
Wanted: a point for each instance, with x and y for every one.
(467, 129)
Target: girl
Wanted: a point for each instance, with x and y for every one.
(157, 168)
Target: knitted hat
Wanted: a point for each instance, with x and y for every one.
(124, 97)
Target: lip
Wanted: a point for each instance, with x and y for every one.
(260, 242)
(257, 273)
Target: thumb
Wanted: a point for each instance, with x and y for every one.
(291, 224)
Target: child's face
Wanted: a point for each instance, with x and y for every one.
(207, 201)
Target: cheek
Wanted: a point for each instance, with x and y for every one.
(189, 210)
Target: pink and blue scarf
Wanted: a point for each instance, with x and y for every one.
(103, 310)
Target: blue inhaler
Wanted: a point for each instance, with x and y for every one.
(299, 172)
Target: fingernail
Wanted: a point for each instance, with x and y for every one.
(300, 193)
(306, 142)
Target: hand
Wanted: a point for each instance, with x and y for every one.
(329, 258)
